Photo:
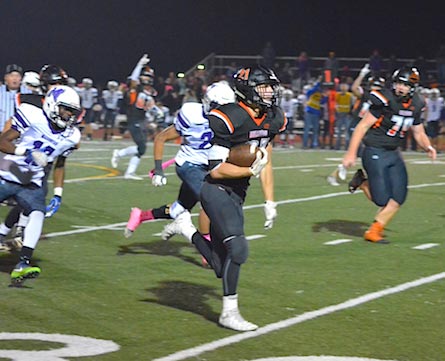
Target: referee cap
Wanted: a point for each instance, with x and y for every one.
(12, 68)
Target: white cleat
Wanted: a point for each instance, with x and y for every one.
(182, 225)
(115, 158)
(235, 321)
(332, 181)
(132, 176)
(342, 172)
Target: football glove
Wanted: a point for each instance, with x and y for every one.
(260, 162)
(159, 179)
(365, 70)
(144, 60)
(37, 157)
(53, 206)
(270, 211)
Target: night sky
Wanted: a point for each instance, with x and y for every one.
(103, 39)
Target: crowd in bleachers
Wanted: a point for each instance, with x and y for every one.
(105, 106)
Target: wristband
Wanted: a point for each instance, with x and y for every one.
(58, 191)
(429, 148)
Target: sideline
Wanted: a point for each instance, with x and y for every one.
(353, 302)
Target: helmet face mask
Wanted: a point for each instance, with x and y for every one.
(218, 93)
(62, 106)
(258, 87)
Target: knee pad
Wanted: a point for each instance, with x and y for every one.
(237, 249)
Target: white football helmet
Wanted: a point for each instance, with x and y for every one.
(112, 85)
(218, 93)
(434, 93)
(31, 78)
(287, 94)
(72, 82)
(60, 99)
(87, 82)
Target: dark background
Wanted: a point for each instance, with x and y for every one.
(103, 39)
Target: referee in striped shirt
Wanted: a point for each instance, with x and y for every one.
(8, 91)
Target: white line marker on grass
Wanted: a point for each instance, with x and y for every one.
(426, 246)
(211, 346)
(337, 241)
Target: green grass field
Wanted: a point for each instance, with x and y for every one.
(147, 299)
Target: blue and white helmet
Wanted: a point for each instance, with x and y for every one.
(60, 98)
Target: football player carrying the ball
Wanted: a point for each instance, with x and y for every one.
(254, 119)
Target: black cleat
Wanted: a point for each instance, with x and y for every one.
(357, 179)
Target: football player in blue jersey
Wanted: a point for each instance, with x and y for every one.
(382, 129)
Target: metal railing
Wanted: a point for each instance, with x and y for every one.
(216, 64)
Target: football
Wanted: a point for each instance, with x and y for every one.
(242, 155)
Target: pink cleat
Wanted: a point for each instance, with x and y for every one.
(133, 222)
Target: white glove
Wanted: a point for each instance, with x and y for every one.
(260, 162)
(159, 180)
(365, 70)
(144, 60)
(36, 156)
(270, 211)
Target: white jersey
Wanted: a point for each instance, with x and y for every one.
(36, 133)
(111, 98)
(88, 97)
(192, 124)
(433, 109)
(289, 107)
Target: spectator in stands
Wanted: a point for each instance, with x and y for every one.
(285, 75)
(231, 70)
(343, 106)
(302, 64)
(392, 65)
(315, 98)
(268, 54)
(8, 92)
(440, 61)
(375, 63)
(331, 63)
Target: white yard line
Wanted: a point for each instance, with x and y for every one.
(337, 241)
(260, 205)
(353, 302)
(426, 246)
